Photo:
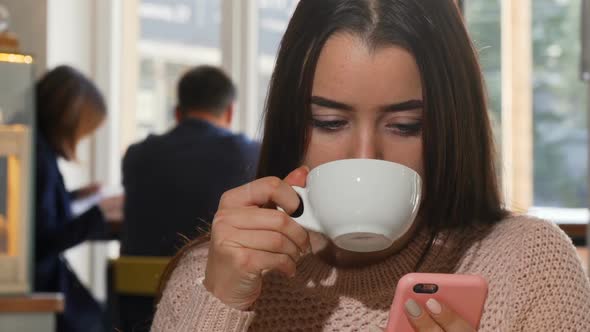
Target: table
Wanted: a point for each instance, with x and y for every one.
(30, 313)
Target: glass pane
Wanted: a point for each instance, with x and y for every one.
(273, 17)
(146, 104)
(560, 104)
(484, 24)
(175, 35)
(188, 22)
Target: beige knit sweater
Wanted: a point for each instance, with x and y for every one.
(536, 283)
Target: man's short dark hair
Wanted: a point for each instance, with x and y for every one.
(205, 88)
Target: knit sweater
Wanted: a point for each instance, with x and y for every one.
(536, 283)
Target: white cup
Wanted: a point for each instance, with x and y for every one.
(363, 205)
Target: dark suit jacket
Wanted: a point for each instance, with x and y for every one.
(55, 231)
(173, 183)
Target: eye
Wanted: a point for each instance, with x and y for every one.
(329, 125)
(406, 129)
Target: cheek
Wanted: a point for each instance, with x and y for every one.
(407, 152)
(323, 149)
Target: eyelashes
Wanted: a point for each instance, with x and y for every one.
(329, 125)
(407, 129)
(401, 129)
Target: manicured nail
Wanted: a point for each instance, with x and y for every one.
(413, 308)
(434, 306)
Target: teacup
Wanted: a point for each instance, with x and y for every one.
(363, 205)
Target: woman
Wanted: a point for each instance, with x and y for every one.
(69, 108)
(341, 65)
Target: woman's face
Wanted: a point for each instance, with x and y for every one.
(365, 104)
(90, 120)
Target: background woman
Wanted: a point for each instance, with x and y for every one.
(69, 108)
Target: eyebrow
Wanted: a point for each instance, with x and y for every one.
(407, 105)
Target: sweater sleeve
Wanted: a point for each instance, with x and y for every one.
(553, 292)
(187, 306)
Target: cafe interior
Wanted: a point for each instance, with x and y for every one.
(535, 57)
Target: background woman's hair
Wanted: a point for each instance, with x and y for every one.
(460, 181)
(63, 95)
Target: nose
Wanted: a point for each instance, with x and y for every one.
(366, 145)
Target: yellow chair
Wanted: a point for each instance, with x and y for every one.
(132, 289)
(137, 275)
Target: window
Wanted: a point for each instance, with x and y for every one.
(178, 34)
(559, 106)
(483, 18)
(175, 35)
(273, 17)
(559, 133)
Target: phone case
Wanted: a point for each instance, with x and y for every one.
(464, 294)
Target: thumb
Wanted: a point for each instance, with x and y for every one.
(298, 176)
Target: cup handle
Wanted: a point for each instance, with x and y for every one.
(306, 219)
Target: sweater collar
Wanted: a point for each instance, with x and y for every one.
(319, 276)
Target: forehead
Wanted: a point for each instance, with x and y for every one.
(348, 69)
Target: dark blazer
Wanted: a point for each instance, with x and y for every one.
(55, 231)
(173, 183)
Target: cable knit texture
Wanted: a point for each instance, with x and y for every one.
(536, 283)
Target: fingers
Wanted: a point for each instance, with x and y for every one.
(263, 219)
(436, 318)
(420, 320)
(274, 242)
(256, 261)
(95, 186)
(261, 192)
(247, 240)
(298, 177)
(447, 318)
(265, 190)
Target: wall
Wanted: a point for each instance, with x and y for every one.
(70, 34)
(70, 41)
(29, 22)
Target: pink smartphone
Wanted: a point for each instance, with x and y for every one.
(465, 294)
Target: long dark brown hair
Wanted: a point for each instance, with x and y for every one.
(460, 183)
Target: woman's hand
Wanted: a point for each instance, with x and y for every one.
(436, 317)
(248, 240)
(112, 208)
(87, 191)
